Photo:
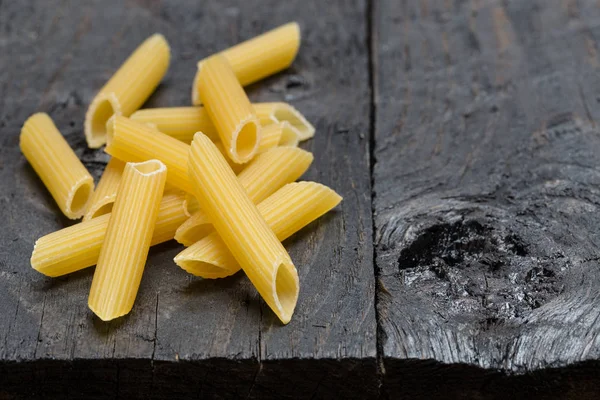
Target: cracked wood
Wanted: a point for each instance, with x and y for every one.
(486, 193)
(185, 335)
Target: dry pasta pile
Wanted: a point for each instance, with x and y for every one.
(218, 177)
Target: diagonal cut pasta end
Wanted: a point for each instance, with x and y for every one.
(245, 140)
(195, 95)
(101, 207)
(289, 135)
(285, 290)
(101, 110)
(285, 112)
(194, 229)
(79, 197)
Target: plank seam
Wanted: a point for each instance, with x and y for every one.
(371, 35)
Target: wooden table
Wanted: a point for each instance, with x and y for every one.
(463, 262)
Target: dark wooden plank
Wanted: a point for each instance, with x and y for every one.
(193, 337)
(486, 185)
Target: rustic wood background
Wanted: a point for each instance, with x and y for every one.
(462, 263)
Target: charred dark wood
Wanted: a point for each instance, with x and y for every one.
(487, 164)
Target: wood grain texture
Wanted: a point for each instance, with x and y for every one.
(486, 195)
(186, 336)
(478, 119)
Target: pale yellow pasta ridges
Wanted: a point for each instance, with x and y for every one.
(255, 51)
(260, 56)
(264, 175)
(129, 87)
(183, 122)
(179, 122)
(132, 141)
(78, 246)
(65, 177)
(289, 136)
(106, 190)
(229, 109)
(236, 218)
(127, 241)
(235, 167)
(193, 229)
(286, 211)
(270, 137)
(190, 204)
(279, 112)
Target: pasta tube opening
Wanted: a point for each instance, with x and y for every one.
(80, 197)
(106, 190)
(193, 230)
(104, 107)
(289, 136)
(209, 270)
(51, 157)
(128, 237)
(149, 168)
(128, 88)
(102, 210)
(190, 205)
(285, 112)
(246, 140)
(286, 290)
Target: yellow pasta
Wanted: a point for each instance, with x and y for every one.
(270, 137)
(128, 88)
(78, 246)
(106, 191)
(286, 211)
(237, 220)
(183, 122)
(289, 136)
(260, 56)
(237, 168)
(69, 182)
(179, 122)
(190, 204)
(194, 228)
(127, 241)
(279, 112)
(262, 177)
(132, 141)
(229, 109)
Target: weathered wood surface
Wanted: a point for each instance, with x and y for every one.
(478, 121)
(186, 337)
(486, 196)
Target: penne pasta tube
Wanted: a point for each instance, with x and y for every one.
(286, 211)
(65, 177)
(190, 204)
(131, 141)
(280, 112)
(260, 56)
(289, 136)
(183, 122)
(262, 177)
(270, 137)
(236, 168)
(178, 122)
(128, 88)
(229, 109)
(130, 228)
(241, 227)
(78, 246)
(106, 191)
